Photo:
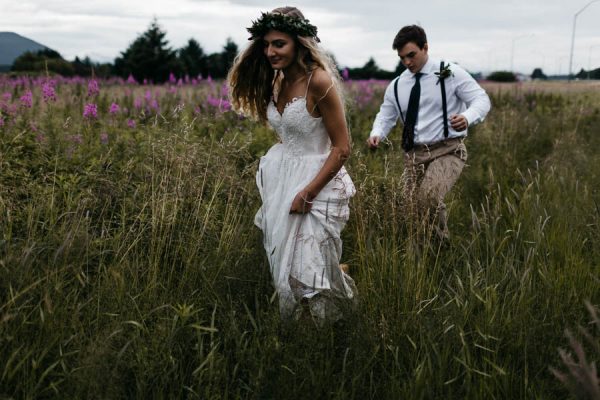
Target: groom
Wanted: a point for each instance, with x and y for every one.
(436, 101)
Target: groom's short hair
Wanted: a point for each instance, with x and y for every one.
(410, 33)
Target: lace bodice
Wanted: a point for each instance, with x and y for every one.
(300, 133)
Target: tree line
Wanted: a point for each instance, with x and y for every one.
(149, 58)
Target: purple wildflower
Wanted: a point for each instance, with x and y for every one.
(27, 99)
(172, 78)
(93, 88)
(90, 111)
(218, 103)
(114, 108)
(346, 74)
(48, 92)
(6, 96)
(131, 80)
(137, 103)
(131, 123)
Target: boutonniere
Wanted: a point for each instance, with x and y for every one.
(444, 73)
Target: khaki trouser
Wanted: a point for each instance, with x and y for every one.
(429, 173)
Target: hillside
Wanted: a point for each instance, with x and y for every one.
(13, 45)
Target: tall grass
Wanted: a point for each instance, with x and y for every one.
(132, 269)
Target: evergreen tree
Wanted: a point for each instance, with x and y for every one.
(148, 57)
(219, 63)
(192, 59)
(230, 51)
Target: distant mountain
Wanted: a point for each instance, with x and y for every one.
(13, 45)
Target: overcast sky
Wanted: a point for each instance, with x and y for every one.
(480, 35)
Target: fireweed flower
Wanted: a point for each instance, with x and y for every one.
(90, 111)
(6, 96)
(93, 88)
(346, 74)
(131, 123)
(48, 92)
(114, 109)
(218, 103)
(27, 99)
(137, 103)
(172, 78)
(131, 80)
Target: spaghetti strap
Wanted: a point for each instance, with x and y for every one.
(308, 84)
(322, 97)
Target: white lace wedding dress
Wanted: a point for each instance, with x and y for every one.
(303, 249)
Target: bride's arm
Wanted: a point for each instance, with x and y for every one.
(329, 104)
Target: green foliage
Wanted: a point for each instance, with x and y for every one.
(42, 61)
(218, 64)
(370, 71)
(87, 67)
(148, 57)
(502, 76)
(538, 74)
(193, 59)
(132, 268)
(592, 74)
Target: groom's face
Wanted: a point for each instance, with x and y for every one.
(413, 57)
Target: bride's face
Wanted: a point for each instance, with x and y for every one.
(280, 49)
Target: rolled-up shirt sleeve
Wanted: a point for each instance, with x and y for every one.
(474, 96)
(388, 114)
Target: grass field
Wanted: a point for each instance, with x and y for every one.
(130, 266)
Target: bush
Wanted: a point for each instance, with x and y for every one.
(502, 76)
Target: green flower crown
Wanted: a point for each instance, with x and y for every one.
(284, 23)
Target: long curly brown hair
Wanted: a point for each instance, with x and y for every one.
(252, 80)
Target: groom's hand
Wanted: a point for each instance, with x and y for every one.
(458, 122)
(373, 142)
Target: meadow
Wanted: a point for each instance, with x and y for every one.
(130, 266)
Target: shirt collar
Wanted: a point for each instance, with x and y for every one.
(428, 68)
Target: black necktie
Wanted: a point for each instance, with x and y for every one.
(408, 134)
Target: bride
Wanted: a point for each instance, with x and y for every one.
(285, 78)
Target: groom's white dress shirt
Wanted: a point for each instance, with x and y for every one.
(463, 96)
